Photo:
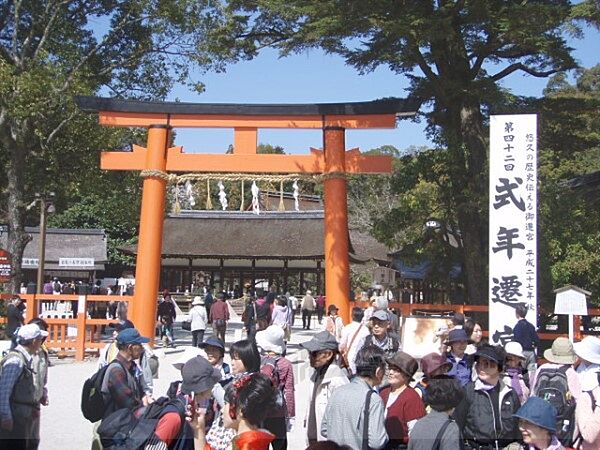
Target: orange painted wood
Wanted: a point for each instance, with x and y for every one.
(124, 119)
(247, 163)
(148, 260)
(337, 264)
(134, 160)
(244, 141)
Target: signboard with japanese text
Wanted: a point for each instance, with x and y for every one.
(30, 262)
(513, 219)
(5, 266)
(76, 262)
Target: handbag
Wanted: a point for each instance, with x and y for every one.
(186, 325)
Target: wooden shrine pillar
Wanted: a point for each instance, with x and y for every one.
(148, 260)
(337, 264)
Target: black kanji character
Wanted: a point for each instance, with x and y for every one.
(505, 193)
(505, 241)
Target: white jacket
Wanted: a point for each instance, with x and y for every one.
(334, 378)
(198, 318)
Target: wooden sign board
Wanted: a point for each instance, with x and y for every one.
(570, 302)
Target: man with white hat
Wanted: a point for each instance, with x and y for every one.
(198, 319)
(587, 412)
(17, 390)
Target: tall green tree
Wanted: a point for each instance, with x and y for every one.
(455, 54)
(569, 209)
(55, 49)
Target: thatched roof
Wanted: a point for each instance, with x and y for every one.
(66, 243)
(269, 235)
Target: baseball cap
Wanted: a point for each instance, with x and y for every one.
(323, 340)
(131, 336)
(198, 376)
(380, 315)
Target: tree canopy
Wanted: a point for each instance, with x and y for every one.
(455, 55)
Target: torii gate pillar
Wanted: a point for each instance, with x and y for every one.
(337, 265)
(147, 269)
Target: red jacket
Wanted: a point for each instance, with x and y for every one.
(219, 311)
(407, 407)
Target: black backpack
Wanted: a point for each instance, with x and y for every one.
(93, 405)
(122, 430)
(552, 385)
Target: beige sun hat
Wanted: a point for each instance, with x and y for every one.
(562, 351)
(198, 301)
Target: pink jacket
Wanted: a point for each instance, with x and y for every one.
(588, 420)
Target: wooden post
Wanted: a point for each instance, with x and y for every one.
(151, 230)
(337, 264)
(81, 328)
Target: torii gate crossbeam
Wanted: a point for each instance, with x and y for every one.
(333, 161)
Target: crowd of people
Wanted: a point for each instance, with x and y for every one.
(365, 391)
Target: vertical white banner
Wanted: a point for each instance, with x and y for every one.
(513, 219)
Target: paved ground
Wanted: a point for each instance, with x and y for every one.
(63, 426)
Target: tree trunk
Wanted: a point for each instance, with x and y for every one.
(17, 238)
(462, 128)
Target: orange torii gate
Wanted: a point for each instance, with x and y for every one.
(158, 159)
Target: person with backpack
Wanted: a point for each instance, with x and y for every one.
(281, 373)
(281, 316)
(556, 382)
(121, 386)
(320, 307)
(587, 411)
(355, 414)
(18, 402)
(437, 430)
(144, 370)
(537, 424)
(485, 413)
(334, 323)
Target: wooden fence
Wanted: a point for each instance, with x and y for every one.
(64, 325)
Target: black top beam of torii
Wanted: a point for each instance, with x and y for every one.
(398, 106)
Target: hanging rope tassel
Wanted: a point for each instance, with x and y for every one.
(176, 204)
(281, 204)
(242, 197)
(208, 200)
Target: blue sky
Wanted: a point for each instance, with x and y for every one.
(314, 77)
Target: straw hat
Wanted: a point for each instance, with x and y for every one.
(562, 352)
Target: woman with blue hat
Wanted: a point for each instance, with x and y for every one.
(461, 362)
(537, 423)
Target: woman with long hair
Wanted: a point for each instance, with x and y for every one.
(245, 360)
